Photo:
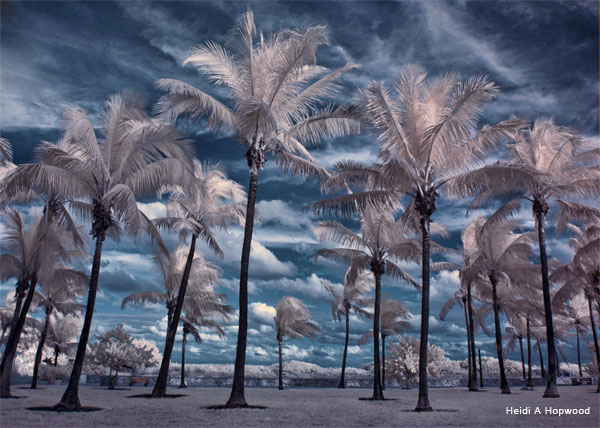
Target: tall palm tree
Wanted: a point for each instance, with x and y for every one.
(136, 156)
(190, 327)
(548, 163)
(32, 252)
(582, 274)
(352, 298)
(428, 138)
(502, 256)
(276, 92)
(58, 290)
(198, 298)
(391, 325)
(210, 201)
(292, 319)
(381, 242)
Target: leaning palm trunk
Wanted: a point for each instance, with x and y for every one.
(280, 387)
(160, 387)
(503, 382)
(543, 372)
(20, 294)
(237, 397)
(40, 349)
(595, 336)
(470, 363)
(423, 401)
(522, 357)
(473, 384)
(540, 209)
(383, 363)
(11, 347)
(70, 399)
(342, 383)
(529, 384)
(377, 269)
(183, 341)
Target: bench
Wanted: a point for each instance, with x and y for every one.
(135, 380)
(581, 381)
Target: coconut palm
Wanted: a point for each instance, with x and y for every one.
(502, 256)
(32, 252)
(276, 92)
(292, 319)
(391, 325)
(549, 163)
(189, 327)
(381, 242)
(428, 138)
(136, 156)
(198, 298)
(56, 292)
(582, 274)
(210, 201)
(351, 298)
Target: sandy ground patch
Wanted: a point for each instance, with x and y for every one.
(300, 407)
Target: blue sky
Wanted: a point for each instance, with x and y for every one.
(543, 55)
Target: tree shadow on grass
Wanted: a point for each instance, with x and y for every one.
(372, 399)
(30, 388)
(14, 396)
(224, 407)
(431, 411)
(61, 410)
(152, 396)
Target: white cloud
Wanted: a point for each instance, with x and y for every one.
(309, 286)
(262, 312)
(293, 351)
(153, 209)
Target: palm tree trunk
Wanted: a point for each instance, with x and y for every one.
(40, 348)
(529, 384)
(377, 392)
(423, 401)
(160, 387)
(20, 294)
(522, 357)
(595, 336)
(383, 363)
(503, 382)
(480, 370)
(11, 349)
(542, 373)
(470, 371)
(280, 366)
(342, 378)
(540, 208)
(237, 397)
(70, 399)
(56, 351)
(578, 352)
(473, 384)
(183, 341)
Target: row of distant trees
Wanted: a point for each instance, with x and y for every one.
(429, 144)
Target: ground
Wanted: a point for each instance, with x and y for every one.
(299, 407)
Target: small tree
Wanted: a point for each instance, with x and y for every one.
(118, 351)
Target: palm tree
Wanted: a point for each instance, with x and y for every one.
(57, 291)
(199, 298)
(548, 163)
(582, 274)
(189, 327)
(381, 242)
(502, 257)
(211, 200)
(33, 251)
(62, 334)
(428, 138)
(354, 289)
(391, 310)
(292, 319)
(137, 156)
(274, 108)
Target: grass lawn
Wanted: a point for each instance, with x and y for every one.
(299, 407)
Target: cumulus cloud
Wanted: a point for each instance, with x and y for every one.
(262, 312)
